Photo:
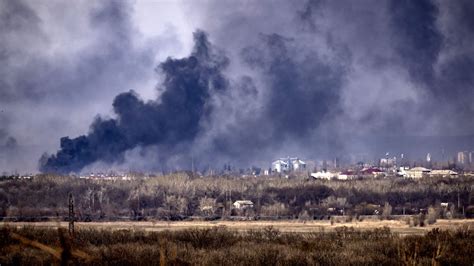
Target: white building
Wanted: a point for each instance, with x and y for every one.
(345, 175)
(280, 166)
(288, 164)
(324, 175)
(298, 165)
(243, 204)
(464, 157)
(388, 162)
(450, 173)
(416, 172)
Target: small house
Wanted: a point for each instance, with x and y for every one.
(243, 204)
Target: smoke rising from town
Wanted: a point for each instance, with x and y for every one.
(260, 80)
(172, 122)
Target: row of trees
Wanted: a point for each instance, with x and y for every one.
(178, 196)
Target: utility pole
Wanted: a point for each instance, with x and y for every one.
(71, 215)
(138, 201)
(459, 201)
(228, 202)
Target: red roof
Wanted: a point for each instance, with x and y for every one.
(347, 172)
(372, 170)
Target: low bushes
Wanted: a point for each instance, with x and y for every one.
(220, 246)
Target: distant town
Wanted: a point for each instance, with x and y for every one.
(387, 166)
(390, 165)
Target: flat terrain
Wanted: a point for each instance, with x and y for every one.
(395, 226)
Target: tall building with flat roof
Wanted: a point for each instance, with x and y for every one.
(464, 157)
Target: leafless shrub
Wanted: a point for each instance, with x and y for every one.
(432, 215)
(387, 211)
(221, 246)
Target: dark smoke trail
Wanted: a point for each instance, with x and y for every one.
(172, 119)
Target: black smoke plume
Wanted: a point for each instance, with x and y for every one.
(174, 118)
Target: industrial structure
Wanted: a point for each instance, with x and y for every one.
(285, 165)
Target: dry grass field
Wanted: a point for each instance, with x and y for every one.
(447, 242)
(395, 226)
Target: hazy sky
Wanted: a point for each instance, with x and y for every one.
(151, 84)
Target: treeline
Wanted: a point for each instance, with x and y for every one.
(220, 246)
(180, 196)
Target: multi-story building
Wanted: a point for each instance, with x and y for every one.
(464, 157)
(388, 162)
(288, 164)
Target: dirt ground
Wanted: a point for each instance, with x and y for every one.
(396, 226)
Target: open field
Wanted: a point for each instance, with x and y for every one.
(395, 226)
(233, 243)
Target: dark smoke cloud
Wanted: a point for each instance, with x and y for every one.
(59, 63)
(337, 77)
(431, 39)
(317, 79)
(296, 86)
(454, 88)
(172, 119)
(417, 39)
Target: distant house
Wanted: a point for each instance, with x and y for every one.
(417, 172)
(402, 171)
(323, 175)
(344, 175)
(371, 171)
(243, 204)
(443, 173)
(348, 174)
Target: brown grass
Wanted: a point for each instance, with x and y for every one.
(219, 245)
(396, 226)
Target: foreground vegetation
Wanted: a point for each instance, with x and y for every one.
(179, 196)
(221, 246)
